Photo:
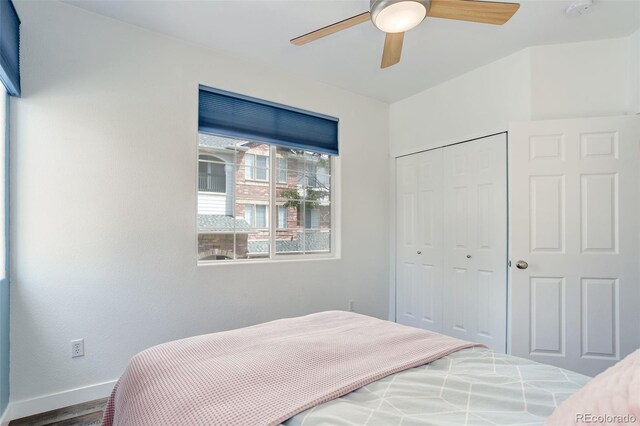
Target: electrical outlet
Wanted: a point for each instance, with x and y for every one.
(77, 348)
(350, 305)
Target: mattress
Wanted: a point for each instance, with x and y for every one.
(474, 386)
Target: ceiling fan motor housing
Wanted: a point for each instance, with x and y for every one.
(376, 7)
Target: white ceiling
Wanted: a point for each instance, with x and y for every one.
(435, 51)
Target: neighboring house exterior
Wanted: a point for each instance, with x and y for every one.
(234, 196)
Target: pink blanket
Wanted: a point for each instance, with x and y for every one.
(265, 374)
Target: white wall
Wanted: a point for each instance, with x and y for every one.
(587, 79)
(475, 104)
(543, 82)
(108, 121)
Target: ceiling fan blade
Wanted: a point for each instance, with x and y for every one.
(392, 49)
(330, 29)
(486, 12)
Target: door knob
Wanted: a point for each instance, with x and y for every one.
(521, 264)
(468, 256)
(419, 252)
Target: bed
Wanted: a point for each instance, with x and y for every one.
(334, 368)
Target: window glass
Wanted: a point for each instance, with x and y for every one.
(282, 170)
(235, 198)
(261, 167)
(312, 218)
(248, 214)
(261, 216)
(249, 161)
(282, 217)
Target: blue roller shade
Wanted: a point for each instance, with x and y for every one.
(229, 114)
(9, 47)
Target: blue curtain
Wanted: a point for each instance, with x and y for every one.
(237, 116)
(9, 47)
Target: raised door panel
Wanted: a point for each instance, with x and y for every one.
(427, 217)
(547, 311)
(459, 282)
(547, 204)
(427, 295)
(406, 293)
(599, 145)
(460, 217)
(599, 314)
(409, 213)
(488, 299)
(486, 214)
(598, 213)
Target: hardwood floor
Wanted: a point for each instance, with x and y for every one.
(86, 414)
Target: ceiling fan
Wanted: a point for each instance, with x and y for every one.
(394, 17)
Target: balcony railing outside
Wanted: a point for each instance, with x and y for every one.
(208, 182)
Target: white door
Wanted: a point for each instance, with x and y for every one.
(475, 241)
(574, 189)
(419, 240)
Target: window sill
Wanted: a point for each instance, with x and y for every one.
(290, 258)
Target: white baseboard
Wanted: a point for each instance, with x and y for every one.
(54, 401)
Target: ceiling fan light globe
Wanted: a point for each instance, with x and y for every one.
(397, 16)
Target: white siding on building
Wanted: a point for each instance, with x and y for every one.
(211, 203)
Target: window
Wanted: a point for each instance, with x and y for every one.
(242, 227)
(256, 215)
(256, 167)
(282, 170)
(246, 211)
(3, 188)
(211, 174)
(9, 85)
(317, 175)
(312, 218)
(282, 217)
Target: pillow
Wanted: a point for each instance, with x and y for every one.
(612, 397)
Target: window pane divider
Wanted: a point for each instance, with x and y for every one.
(273, 218)
(233, 206)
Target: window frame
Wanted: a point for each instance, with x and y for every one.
(254, 168)
(335, 230)
(4, 190)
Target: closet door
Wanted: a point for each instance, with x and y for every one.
(419, 240)
(475, 241)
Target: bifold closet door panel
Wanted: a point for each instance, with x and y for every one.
(475, 241)
(419, 238)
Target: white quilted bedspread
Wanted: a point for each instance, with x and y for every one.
(471, 387)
